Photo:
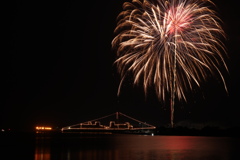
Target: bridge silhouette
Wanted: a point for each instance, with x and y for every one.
(116, 122)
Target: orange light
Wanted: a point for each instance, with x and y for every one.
(43, 128)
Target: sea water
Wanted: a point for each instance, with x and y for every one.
(120, 147)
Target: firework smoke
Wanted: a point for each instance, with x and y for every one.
(171, 45)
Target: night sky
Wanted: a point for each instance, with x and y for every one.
(57, 69)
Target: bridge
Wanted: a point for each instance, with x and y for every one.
(116, 122)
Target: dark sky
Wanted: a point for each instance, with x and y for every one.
(57, 69)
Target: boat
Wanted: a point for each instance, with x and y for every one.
(111, 124)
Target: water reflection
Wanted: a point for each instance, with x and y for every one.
(42, 150)
(137, 147)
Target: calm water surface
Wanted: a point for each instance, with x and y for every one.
(137, 147)
(120, 147)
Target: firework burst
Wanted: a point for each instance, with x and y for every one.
(170, 45)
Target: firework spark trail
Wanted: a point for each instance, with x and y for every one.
(170, 45)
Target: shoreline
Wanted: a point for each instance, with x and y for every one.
(178, 131)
